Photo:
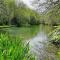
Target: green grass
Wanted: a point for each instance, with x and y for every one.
(12, 48)
(4, 26)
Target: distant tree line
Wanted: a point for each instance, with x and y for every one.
(50, 12)
(21, 15)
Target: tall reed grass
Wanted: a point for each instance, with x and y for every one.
(12, 48)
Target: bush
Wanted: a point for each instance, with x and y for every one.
(33, 21)
(16, 21)
(55, 36)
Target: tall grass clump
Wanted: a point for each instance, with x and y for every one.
(12, 48)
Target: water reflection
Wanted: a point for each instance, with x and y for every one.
(38, 46)
(2, 31)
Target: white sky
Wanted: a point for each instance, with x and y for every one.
(28, 3)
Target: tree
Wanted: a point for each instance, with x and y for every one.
(44, 5)
(7, 11)
(3, 12)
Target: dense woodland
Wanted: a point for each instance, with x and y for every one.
(20, 15)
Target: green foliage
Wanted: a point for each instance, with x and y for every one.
(26, 16)
(55, 36)
(22, 14)
(34, 21)
(6, 11)
(3, 12)
(12, 48)
(53, 15)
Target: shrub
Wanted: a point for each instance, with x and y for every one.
(55, 36)
(33, 21)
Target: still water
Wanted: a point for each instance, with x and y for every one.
(40, 45)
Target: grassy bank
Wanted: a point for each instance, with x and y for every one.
(13, 48)
(4, 26)
(55, 36)
(55, 40)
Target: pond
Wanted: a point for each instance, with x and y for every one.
(22, 32)
(37, 36)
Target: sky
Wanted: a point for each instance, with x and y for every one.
(28, 3)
